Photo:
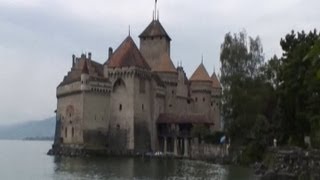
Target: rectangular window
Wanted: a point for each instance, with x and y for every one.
(142, 87)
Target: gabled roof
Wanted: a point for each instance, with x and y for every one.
(165, 64)
(200, 74)
(215, 81)
(126, 55)
(155, 29)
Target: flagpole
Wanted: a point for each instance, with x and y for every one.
(155, 9)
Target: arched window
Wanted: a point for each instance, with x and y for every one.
(118, 84)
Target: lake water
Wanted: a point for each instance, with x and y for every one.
(27, 160)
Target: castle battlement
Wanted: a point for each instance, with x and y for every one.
(134, 100)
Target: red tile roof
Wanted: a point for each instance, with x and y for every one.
(200, 74)
(165, 64)
(127, 55)
(215, 81)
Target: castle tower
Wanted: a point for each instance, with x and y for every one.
(130, 75)
(200, 84)
(154, 43)
(216, 101)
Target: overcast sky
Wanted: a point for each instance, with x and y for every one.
(38, 38)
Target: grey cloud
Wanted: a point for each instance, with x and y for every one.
(37, 38)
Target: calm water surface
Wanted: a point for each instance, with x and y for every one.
(28, 160)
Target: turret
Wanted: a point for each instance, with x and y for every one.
(73, 60)
(84, 76)
(216, 102)
(182, 88)
(200, 84)
(154, 42)
(216, 86)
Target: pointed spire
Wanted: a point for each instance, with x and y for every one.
(200, 74)
(215, 81)
(155, 10)
(158, 16)
(202, 59)
(129, 30)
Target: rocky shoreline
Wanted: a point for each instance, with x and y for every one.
(81, 151)
(279, 163)
(289, 163)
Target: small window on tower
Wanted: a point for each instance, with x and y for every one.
(142, 107)
(72, 131)
(203, 99)
(120, 107)
(196, 99)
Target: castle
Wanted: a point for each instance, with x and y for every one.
(136, 101)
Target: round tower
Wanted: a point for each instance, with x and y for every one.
(200, 86)
(216, 101)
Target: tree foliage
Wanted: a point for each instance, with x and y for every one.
(245, 90)
(274, 99)
(299, 86)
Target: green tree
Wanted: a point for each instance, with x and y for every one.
(248, 94)
(299, 86)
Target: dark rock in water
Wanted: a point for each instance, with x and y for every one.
(289, 164)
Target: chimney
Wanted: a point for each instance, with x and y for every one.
(89, 55)
(73, 60)
(83, 56)
(110, 52)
